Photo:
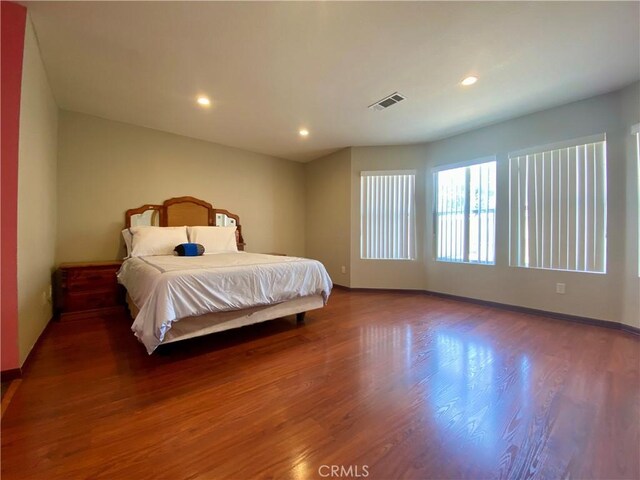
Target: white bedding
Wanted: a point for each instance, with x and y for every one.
(167, 288)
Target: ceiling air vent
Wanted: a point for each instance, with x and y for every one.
(387, 101)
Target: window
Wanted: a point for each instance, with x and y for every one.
(465, 213)
(387, 215)
(558, 206)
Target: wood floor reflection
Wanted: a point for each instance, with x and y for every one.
(406, 385)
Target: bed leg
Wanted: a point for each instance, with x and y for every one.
(300, 317)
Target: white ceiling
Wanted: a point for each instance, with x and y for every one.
(273, 67)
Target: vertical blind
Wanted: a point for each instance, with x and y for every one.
(387, 215)
(558, 206)
(465, 207)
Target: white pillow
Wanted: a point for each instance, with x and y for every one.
(214, 239)
(126, 235)
(156, 240)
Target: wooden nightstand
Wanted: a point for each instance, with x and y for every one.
(86, 289)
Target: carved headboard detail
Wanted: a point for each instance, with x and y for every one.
(189, 211)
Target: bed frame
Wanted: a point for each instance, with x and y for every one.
(191, 211)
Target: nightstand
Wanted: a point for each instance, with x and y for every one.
(86, 289)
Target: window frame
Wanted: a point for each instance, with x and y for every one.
(467, 211)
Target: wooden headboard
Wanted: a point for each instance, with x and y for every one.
(179, 211)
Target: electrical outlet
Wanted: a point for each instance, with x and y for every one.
(47, 295)
(560, 288)
(343, 269)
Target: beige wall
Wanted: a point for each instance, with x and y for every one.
(630, 106)
(402, 274)
(37, 202)
(613, 296)
(590, 295)
(106, 167)
(328, 216)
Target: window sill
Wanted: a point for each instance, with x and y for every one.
(456, 262)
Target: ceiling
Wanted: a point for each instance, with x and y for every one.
(271, 68)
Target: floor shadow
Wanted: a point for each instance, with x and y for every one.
(131, 356)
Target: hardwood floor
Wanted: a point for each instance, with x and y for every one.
(4, 386)
(384, 385)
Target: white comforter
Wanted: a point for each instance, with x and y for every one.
(167, 288)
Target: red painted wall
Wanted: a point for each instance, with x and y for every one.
(12, 28)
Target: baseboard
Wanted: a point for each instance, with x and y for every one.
(377, 290)
(629, 329)
(27, 361)
(534, 311)
(8, 396)
(505, 306)
(11, 374)
(16, 373)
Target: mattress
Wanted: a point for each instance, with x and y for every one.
(168, 288)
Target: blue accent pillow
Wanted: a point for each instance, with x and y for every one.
(189, 249)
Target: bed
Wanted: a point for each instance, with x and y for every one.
(173, 298)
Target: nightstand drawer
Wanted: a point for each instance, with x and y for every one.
(90, 279)
(79, 301)
(87, 289)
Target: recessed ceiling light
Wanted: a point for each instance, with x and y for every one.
(303, 132)
(469, 81)
(204, 101)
